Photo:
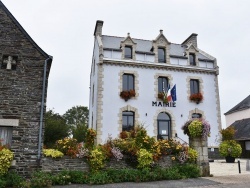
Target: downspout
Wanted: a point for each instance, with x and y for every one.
(41, 112)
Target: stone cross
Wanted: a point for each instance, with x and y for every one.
(10, 61)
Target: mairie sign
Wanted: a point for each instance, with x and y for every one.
(163, 104)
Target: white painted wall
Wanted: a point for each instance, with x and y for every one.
(231, 118)
(112, 101)
(93, 85)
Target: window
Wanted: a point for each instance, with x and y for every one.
(192, 59)
(164, 126)
(196, 115)
(161, 55)
(127, 82)
(127, 120)
(128, 52)
(6, 135)
(194, 86)
(162, 84)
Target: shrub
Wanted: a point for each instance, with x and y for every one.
(145, 158)
(192, 155)
(41, 179)
(6, 156)
(228, 133)
(96, 159)
(197, 128)
(230, 148)
(67, 146)
(52, 153)
(90, 139)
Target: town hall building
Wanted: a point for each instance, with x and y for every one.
(156, 83)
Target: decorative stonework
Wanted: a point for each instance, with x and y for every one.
(99, 124)
(192, 49)
(218, 103)
(159, 66)
(201, 88)
(128, 41)
(9, 122)
(136, 80)
(9, 62)
(161, 42)
(156, 76)
(172, 117)
(127, 108)
(196, 110)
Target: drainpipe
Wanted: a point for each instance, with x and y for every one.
(41, 112)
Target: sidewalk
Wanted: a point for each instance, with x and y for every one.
(221, 168)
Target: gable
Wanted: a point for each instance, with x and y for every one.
(14, 39)
(243, 105)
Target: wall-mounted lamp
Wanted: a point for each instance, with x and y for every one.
(146, 114)
(184, 54)
(181, 115)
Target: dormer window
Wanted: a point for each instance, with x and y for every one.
(161, 55)
(192, 59)
(128, 52)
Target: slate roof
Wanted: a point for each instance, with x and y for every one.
(242, 128)
(23, 31)
(113, 42)
(243, 105)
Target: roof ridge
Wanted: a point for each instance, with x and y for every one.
(19, 26)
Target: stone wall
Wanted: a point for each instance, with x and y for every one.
(21, 90)
(66, 163)
(200, 145)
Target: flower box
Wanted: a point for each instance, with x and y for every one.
(196, 97)
(163, 97)
(127, 94)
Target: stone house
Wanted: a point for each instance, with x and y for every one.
(147, 68)
(24, 72)
(239, 118)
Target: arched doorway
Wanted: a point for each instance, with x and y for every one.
(163, 126)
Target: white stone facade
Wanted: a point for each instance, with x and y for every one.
(108, 65)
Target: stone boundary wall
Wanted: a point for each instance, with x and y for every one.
(55, 165)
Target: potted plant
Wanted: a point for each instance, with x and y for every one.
(230, 149)
(197, 128)
(196, 97)
(127, 94)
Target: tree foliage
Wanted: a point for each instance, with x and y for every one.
(56, 128)
(79, 132)
(77, 115)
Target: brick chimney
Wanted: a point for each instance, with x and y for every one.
(191, 39)
(98, 28)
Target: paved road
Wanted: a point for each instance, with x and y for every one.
(225, 175)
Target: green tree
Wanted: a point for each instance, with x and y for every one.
(56, 128)
(77, 115)
(77, 118)
(79, 132)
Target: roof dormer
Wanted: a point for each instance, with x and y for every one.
(161, 48)
(128, 47)
(192, 52)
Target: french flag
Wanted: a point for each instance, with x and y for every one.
(169, 97)
(173, 93)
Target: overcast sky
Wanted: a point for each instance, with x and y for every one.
(64, 29)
